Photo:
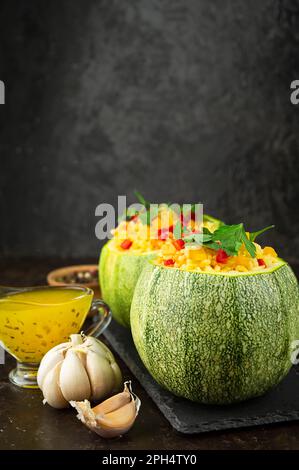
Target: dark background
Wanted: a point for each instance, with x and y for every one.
(185, 101)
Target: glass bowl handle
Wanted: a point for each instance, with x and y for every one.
(105, 316)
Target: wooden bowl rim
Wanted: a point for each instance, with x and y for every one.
(51, 276)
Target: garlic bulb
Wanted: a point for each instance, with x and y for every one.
(83, 368)
(114, 417)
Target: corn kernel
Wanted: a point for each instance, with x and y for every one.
(241, 268)
(268, 250)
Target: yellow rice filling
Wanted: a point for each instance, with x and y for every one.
(204, 259)
(144, 238)
(137, 237)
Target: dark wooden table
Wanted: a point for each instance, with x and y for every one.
(25, 423)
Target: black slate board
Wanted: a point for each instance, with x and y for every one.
(278, 405)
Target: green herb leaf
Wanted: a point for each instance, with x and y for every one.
(142, 200)
(253, 235)
(194, 238)
(146, 216)
(206, 237)
(230, 239)
(250, 247)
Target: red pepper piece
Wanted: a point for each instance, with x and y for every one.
(169, 262)
(134, 217)
(179, 244)
(126, 244)
(261, 262)
(221, 256)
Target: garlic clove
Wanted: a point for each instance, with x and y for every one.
(49, 361)
(99, 348)
(117, 422)
(114, 417)
(51, 388)
(74, 381)
(96, 346)
(100, 375)
(112, 403)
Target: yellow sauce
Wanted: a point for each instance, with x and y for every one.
(32, 322)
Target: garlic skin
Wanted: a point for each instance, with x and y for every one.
(82, 369)
(113, 417)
